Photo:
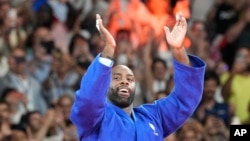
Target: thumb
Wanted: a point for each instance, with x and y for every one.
(167, 32)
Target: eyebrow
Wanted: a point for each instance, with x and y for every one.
(121, 74)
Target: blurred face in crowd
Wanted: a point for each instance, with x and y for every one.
(192, 131)
(198, 30)
(214, 125)
(43, 43)
(221, 68)
(81, 48)
(4, 8)
(123, 41)
(62, 63)
(13, 97)
(17, 61)
(159, 70)
(210, 87)
(242, 59)
(189, 135)
(4, 112)
(35, 121)
(122, 88)
(97, 42)
(65, 103)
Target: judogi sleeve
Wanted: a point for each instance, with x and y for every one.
(88, 108)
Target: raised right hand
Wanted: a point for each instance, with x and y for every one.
(106, 37)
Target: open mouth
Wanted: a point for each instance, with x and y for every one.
(124, 92)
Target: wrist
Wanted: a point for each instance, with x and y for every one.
(181, 56)
(108, 52)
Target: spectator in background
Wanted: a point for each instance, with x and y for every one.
(155, 72)
(4, 8)
(3, 61)
(160, 74)
(237, 35)
(40, 57)
(13, 35)
(247, 121)
(5, 122)
(87, 7)
(126, 15)
(126, 53)
(79, 49)
(218, 28)
(64, 104)
(208, 103)
(43, 14)
(192, 130)
(215, 128)
(17, 104)
(18, 133)
(39, 127)
(157, 79)
(223, 14)
(236, 83)
(234, 119)
(200, 44)
(18, 78)
(96, 43)
(63, 78)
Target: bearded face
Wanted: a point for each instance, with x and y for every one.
(122, 88)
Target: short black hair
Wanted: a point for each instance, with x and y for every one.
(72, 42)
(18, 127)
(26, 117)
(210, 74)
(3, 102)
(6, 92)
(156, 60)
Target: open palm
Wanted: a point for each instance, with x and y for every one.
(176, 37)
(105, 35)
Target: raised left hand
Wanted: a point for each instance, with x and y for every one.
(176, 37)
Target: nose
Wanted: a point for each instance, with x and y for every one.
(124, 82)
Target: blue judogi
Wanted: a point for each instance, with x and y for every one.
(97, 119)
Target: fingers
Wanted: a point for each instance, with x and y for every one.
(166, 29)
(180, 19)
(98, 22)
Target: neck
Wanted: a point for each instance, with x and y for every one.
(128, 110)
(20, 75)
(208, 100)
(208, 103)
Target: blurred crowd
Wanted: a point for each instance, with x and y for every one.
(47, 45)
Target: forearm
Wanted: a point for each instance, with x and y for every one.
(108, 51)
(235, 31)
(40, 135)
(180, 55)
(212, 12)
(226, 89)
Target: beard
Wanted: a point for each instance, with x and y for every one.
(119, 101)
